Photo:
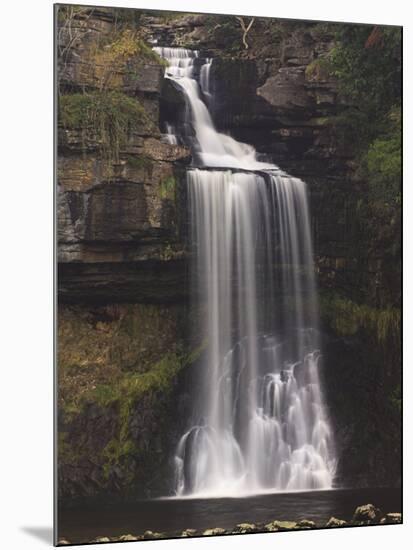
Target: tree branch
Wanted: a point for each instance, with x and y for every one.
(245, 29)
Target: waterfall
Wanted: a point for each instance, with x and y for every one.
(260, 421)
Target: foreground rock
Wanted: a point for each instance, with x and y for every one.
(367, 514)
(128, 538)
(245, 528)
(189, 533)
(153, 535)
(281, 526)
(392, 518)
(306, 524)
(216, 531)
(334, 522)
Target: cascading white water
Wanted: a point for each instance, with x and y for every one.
(260, 422)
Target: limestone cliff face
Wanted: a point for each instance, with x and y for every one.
(123, 258)
(122, 283)
(118, 213)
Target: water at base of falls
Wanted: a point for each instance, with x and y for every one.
(260, 421)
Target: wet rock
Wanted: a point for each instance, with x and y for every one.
(189, 533)
(281, 526)
(101, 539)
(367, 513)
(159, 151)
(286, 89)
(334, 522)
(306, 524)
(214, 531)
(392, 518)
(152, 535)
(128, 538)
(245, 528)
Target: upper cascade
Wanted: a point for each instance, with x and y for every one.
(214, 149)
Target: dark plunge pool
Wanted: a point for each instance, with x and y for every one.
(84, 523)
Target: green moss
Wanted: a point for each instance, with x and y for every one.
(382, 162)
(128, 391)
(110, 116)
(167, 252)
(132, 386)
(167, 188)
(396, 400)
(138, 162)
(115, 452)
(318, 69)
(347, 318)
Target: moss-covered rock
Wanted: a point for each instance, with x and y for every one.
(118, 368)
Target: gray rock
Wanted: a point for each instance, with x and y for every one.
(214, 531)
(116, 212)
(126, 538)
(245, 528)
(189, 533)
(101, 539)
(286, 89)
(152, 535)
(306, 524)
(392, 517)
(144, 77)
(280, 526)
(334, 522)
(367, 513)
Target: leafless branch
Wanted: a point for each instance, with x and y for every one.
(245, 29)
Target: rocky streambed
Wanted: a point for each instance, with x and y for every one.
(366, 514)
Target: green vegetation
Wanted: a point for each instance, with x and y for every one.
(382, 162)
(318, 69)
(127, 392)
(347, 318)
(167, 188)
(396, 400)
(115, 50)
(367, 63)
(109, 116)
(140, 162)
(132, 386)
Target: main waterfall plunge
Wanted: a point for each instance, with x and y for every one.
(259, 423)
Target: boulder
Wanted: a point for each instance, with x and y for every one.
(152, 535)
(367, 514)
(392, 518)
(306, 524)
(281, 526)
(189, 533)
(214, 531)
(128, 538)
(334, 522)
(101, 539)
(286, 89)
(245, 528)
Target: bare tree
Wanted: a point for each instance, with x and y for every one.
(70, 31)
(245, 29)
